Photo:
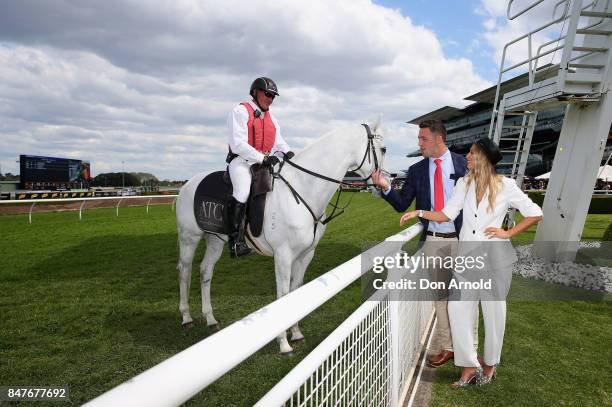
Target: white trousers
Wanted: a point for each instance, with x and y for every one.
(462, 316)
(240, 174)
(443, 247)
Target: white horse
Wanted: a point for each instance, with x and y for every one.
(289, 233)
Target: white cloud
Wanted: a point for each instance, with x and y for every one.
(499, 31)
(151, 83)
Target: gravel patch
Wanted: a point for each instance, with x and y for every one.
(586, 276)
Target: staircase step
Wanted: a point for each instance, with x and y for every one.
(590, 49)
(583, 77)
(586, 66)
(596, 14)
(511, 139)
(589, 31)
(513, 151)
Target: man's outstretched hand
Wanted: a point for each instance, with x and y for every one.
(379, 180)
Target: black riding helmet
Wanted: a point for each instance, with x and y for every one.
(265, 84)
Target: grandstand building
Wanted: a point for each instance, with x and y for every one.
(466, 125)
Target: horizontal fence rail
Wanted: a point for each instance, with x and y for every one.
(185, 374)
(51, 203)
(99, 198)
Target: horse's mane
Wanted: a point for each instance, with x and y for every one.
(348, 130)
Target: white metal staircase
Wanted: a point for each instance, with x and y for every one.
(581, 80)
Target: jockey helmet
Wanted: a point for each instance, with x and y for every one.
(265, 84)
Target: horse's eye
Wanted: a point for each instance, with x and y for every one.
(384, 150)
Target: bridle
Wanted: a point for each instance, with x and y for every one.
(370, 153)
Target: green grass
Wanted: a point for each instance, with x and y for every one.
(555, 352)
(91, 303)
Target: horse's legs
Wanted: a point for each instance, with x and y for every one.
(297, 278)
(282, 269)
(214, 248)
(188, 244)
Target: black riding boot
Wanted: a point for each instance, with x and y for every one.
(237, 245)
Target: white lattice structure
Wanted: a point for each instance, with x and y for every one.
(369, 360)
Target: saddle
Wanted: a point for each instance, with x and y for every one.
(213, 192)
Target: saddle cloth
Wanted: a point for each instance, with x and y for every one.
(213, 192)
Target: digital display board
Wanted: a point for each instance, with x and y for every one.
(36, 168)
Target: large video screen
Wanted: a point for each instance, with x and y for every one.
(36, 168)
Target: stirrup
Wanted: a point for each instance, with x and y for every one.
(240, 249)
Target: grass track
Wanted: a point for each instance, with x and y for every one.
(92, 303)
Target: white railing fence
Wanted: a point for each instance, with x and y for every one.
(51, 205)
(367, 360)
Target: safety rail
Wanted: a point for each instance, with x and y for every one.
(180, 377)
(33, 202)
(565, 41)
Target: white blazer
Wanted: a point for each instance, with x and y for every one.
(477, 218)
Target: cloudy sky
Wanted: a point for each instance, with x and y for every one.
(150, 82)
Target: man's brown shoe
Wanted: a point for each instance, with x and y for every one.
(441, 358)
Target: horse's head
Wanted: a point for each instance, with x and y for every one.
(374, 155)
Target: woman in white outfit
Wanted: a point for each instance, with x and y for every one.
(485, 197)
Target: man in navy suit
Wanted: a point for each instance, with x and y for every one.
(431, 182)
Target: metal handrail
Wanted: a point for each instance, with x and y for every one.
(532, 68)
(526, 9)
(601, 20)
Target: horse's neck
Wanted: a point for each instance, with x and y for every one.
(330, 156)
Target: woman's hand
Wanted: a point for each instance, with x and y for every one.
(407, 216)
(497, 232)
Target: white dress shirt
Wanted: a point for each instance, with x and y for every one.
(238, 139)
(448, 184)
(477, 218)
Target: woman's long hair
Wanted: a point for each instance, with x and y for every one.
(485, 176)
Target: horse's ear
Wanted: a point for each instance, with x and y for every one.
(377, 127)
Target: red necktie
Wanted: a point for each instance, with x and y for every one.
(438, 188)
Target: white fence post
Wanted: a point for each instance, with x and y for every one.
(394, 337)
(81, 210)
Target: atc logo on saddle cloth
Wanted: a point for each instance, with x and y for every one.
(213, 192)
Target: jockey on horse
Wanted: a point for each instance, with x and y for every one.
(254, 138)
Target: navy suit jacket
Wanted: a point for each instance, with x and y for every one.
(417, 186)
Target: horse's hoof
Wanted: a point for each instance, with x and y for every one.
(298, 340)
(214, 328)
(287, 354)
(188, 325)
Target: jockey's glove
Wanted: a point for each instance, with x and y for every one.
(270, 160)
(289, 155)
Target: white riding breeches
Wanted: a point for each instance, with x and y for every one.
(240, 174)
